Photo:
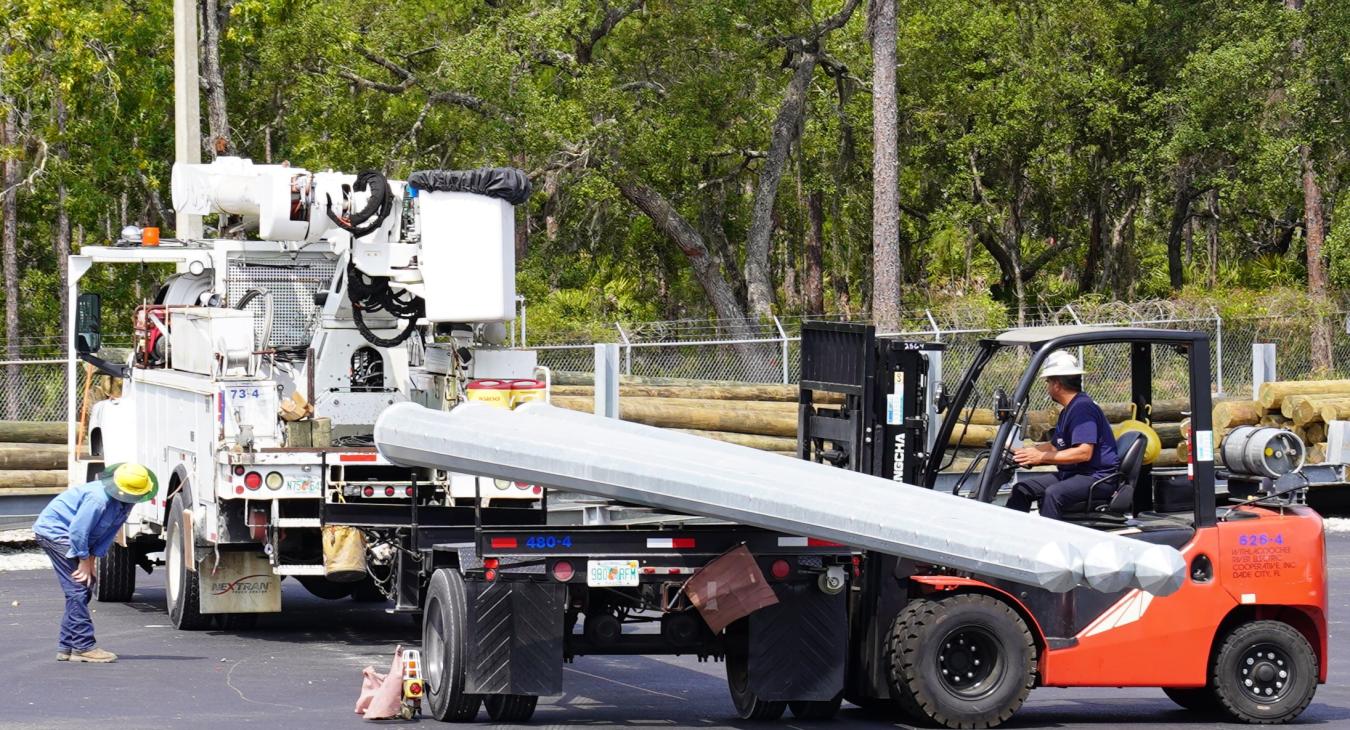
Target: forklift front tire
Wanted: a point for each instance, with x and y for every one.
(1264, 673)
(1195, 699)
(964, 661)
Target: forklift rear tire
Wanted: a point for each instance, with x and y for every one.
(748, 706)
(116, 576)
(182, 589)
(816, 709)
(444, 652)
(1264, 673)
(1195, 699)
(965, 661)
(510, 708)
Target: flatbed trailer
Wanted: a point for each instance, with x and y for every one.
(507, 599)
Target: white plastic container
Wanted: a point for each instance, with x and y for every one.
(198, 334)
(468, 257)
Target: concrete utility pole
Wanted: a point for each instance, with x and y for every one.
(187, 122)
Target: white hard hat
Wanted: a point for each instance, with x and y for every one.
(1060, 363)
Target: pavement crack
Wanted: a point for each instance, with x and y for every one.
(625, 684)
(229, 682)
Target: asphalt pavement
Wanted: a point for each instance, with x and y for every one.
(302, 669)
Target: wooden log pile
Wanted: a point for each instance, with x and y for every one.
(764, 416)
(32, 456)
(1304, 407)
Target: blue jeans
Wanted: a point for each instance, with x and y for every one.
(77, 629)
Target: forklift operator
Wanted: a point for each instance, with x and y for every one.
(1081, 445)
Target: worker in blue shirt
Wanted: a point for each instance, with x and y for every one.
(1081, 445)
(78, 526)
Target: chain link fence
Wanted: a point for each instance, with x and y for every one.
(755, 351)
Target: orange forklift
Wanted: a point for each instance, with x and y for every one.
(1246, 634)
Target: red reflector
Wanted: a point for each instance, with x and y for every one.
(503, 542)
(388, 491)
(368, 491)
(356, 457)
(684, 543)
(239, 471)
(253, 480)
(490, 575)
(649, 571)
(673, 571)
(780, 569)
(538, 490)
(408, 491)
(562, 571)
(238, 490)
(415, 688)
(813, 542)
(491, 563)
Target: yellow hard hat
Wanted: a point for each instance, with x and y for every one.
(129, 483)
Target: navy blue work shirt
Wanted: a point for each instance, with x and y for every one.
(1083, 422)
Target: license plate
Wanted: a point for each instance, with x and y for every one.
(611, 573)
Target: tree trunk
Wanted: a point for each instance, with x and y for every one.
(220, 142)
(9, 208)
(1212, 237)
(712, 222)
(813, 287)
(1088, 279)
(1181, 212)
(61, 239)
(885, 170)
(786, 126)
(1314, 234)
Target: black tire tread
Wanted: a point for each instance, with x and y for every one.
(907, 634)
(510, 708)
(116, 576)
(748, 706)
(816, 709)
(460, 707)
(1233, 642)
(1195, 699)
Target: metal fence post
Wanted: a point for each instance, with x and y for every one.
(1218, 348)
(627, 351)
(1074, 314)
(607, 380)
(1263, 365)
(782, 336)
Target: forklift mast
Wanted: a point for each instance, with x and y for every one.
(889, 390)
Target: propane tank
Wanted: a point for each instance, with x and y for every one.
(1262, 451)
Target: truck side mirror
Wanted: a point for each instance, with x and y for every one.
(88, 323)
(943, 397)
(1002, 405)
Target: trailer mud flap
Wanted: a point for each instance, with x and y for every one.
(515, 638)
(240, 583)
(798, 646)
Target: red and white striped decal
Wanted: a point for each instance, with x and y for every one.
(670, 543)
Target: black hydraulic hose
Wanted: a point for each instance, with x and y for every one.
(377, 207)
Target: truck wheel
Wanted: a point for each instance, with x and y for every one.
(1195, 699)
(816, 709)
(116, 576)
(966, 661)
(748, 706)
(181, 588)
(1265, 673)
(510, 708)
(443, 648)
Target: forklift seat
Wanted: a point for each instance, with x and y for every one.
(1114, 511)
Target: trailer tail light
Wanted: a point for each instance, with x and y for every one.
(253, 480)
(491, 563)
(368, 491)
(349, 458)
(490, 575)
(274, 480)
(388, 491)
(806, 542)
(562, 571)
(239, 471)
(780, 569)
(408, 491)
(503, 542)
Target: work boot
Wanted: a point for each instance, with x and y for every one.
(93, 656)
(63, 655)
